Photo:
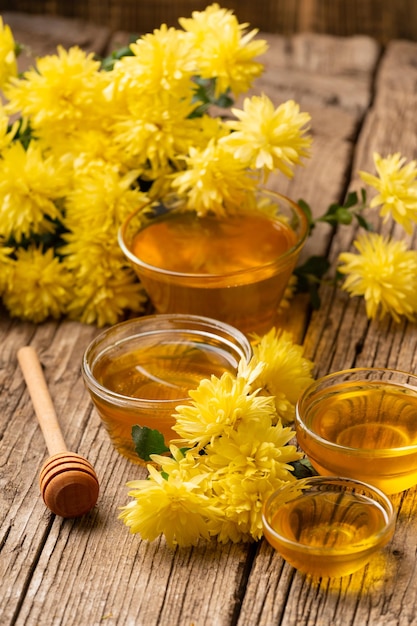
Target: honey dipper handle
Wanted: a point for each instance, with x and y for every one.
(41, 399)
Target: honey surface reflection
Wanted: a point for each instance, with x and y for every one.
(137, 372)
(373, 427)
(181, 243)
(231, 267)
(328, 522)
(162, 370)
(328, 526)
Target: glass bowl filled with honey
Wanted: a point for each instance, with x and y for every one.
(328, 526)
(234, 268)
(139, 370)
(362, 423)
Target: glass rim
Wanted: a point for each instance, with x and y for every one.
(232, 334)
(301, 424)
(377, 496)
(282, 260)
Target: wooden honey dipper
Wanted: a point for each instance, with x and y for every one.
(68, 482)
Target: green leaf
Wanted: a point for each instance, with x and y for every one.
(201, 94)
(351, 200)
(148, 441)
(204, 94)
(363, 222)
(309, 276)
(332, 209)
(23, 134)
(303, 469)
(344, 213)
(314, 296)
(314, 267)
(306, 209)
(107, 63)
(224, 101)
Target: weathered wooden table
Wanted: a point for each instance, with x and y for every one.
(91, 571)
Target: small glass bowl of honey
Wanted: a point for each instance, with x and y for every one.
(234, 268)
(362, 423)
(138, 371)
(328, 526)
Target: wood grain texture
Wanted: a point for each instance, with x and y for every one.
(366, 598)
(382, 19)
(91, 571)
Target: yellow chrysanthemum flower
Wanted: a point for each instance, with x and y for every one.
(384, 272)
(241, 500)
(28, 201)
(213, 19)
(154, 131)
(101, 197)
(397, 187)
(61, 93)
(218, 406)
(267, 138)
(104, 286)
(39, 286)
(87, 144)
(186, 464)
(221, 491)
(286, 371)
(250, 464)
(162, 60)
(5, 266)
(253, 448)
(214, 181)
(246, 457)
(6, 134)
(224, 50)
(8, 63)
(172, 506)
(104, 291)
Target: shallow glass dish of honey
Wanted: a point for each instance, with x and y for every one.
(138, 371)
(362, 423)
(328, 526)
(233, 268)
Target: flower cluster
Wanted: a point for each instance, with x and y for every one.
(92, 140)
(234, 452)
(384, 269)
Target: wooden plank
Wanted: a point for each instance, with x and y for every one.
(340, 336)
(41, 35)
(51, 561)
(302, 59)
(384, 131)
(381, 19)
(93, 571)
(24, 519)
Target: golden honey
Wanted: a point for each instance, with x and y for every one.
(137, 372)
(212, 247)
(332, 530)
(233, 268)
(162, 372)
(217, 254)
(365, 430)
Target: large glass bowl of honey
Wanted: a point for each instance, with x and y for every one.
(138, 371)
(362, 423)
(233, 267)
